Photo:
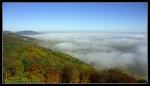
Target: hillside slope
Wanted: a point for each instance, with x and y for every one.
(26, 62)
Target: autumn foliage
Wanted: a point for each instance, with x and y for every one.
(26, 62)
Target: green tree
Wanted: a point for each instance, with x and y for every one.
(19, 68)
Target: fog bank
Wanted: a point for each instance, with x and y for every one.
(106, 50)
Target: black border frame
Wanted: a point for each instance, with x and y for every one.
(12, 1)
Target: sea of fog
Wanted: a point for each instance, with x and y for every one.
(105, 49)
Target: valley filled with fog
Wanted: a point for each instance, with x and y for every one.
(127, 51)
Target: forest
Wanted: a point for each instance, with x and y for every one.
(24, 61)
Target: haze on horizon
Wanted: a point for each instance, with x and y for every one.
(121, 17)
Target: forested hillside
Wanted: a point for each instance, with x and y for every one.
(26, 62)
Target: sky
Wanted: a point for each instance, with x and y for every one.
(85, 16)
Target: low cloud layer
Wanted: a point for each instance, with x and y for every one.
(106, 50)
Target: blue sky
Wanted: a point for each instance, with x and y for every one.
(130, 17)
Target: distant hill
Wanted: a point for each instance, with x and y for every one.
(5, 31)
(27, 32)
